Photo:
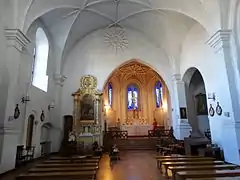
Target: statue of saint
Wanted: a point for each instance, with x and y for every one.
(154, 124)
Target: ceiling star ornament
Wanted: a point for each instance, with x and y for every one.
(115, 35)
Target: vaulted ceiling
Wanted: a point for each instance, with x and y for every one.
(164, 22)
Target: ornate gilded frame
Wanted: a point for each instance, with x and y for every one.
(88, 86)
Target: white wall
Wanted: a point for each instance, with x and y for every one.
(92, 56)
(196, 53)
(39, 100)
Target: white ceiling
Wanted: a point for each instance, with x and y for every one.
(74, 19)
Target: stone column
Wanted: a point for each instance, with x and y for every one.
(229, 139)
(9, 127)
(57, 119)
(181, 127)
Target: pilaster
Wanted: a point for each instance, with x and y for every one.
(221, 44)
(182, 127)
(10, 130)
(56, 112)
(16, 44)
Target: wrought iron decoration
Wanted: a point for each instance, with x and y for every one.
(211, 110)
(42, 116)
(16, 112)
(218, 109)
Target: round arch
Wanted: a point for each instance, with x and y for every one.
(162, 74)
(196, 101)
(144, 78)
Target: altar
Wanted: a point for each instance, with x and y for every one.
(87, 113)
(136, 130)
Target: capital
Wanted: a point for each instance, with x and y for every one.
(59, 79)
(221, 39)
(176, 77)
(16, 39)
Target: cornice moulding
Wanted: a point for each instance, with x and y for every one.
(221, 39)
(8, 130)
(17, 39)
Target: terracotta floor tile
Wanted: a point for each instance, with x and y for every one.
(134, 165)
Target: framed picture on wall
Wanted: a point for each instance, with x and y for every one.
(183, 113)
(201, 104)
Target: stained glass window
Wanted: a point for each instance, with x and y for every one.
(159, 94)
(132, 97)
(110, 89)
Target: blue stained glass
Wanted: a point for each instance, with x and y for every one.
(110, 94)
(159, 95)
(132, 97)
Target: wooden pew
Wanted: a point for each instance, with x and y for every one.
(72, 161)
(176, 155)
(62, 169)
(216, 178)
(183, 175)
(160, 158)
(165, 165)
(80, 175)
(182, 159)
(48, 165)
(73, 157)
(171, 170)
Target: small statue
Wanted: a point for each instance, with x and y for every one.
(71, 137)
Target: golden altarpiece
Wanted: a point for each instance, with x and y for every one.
(87, 113)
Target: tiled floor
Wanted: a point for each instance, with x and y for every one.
(134, 165)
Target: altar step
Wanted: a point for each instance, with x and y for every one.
(136, 143)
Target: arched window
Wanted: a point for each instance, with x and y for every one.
(40, 78)
(110, 89)
(158, 93)
(132, 96)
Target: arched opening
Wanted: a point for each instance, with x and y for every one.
(30, 130)
(41, 53)
(45, 141)
(138, 96)
(196, 103)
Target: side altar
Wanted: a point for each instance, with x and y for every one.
(87, 113)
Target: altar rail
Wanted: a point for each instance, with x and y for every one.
(118, 134)
(160, 133)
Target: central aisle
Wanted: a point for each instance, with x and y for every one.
(134, 165)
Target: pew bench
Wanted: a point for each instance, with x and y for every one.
(216, 178)
(80, 175)
(183, 175)
(173, 155)
(165, 165)
(73, 157)
(72, 161)
(172, 170)
(161, 158)
(62, 169)
(182, 159)
(48, 165)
